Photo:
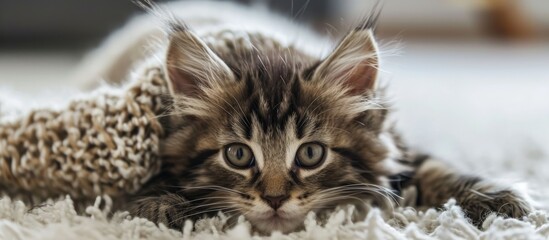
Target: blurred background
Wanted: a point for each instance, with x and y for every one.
(470, 79)
(51, 36)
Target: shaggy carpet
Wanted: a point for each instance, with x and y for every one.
(60, 220)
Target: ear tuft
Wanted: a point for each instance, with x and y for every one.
(369, 21)
(191, 64)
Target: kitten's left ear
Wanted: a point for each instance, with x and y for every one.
(354, 62)
(191, 65)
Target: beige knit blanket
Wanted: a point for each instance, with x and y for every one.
(105, 144)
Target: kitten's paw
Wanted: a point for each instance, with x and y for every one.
(165, 209)
(505, 203)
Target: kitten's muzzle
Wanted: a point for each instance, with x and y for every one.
(275, 201)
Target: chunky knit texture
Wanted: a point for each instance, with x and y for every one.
(106, 144)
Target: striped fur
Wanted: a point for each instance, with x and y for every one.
(242, 87)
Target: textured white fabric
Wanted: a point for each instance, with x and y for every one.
(59, 220)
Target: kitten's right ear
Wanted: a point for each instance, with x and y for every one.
(191, 64)
(355, 61)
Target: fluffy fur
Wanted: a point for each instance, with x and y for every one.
(236, 86)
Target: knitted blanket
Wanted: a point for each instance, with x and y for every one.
(105, 144)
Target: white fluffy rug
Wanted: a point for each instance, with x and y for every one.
(59, 220)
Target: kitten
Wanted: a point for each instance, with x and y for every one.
(265, 130)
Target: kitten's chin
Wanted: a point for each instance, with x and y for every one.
(270, 221)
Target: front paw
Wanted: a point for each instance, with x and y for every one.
(165, 209)
(478, 205)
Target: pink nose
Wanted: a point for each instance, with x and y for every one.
(275, 201)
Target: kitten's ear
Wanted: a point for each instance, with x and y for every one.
(190, 64)
(354, 62)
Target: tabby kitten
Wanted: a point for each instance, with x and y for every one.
(261, 129)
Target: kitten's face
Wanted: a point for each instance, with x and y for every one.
(276, 136)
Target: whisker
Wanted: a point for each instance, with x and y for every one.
(213, 187)
(348, 192)
(207, 205)
(220, 209)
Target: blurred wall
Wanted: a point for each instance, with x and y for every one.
(459, 18)
(35, 23)
(75, 22)
(39, 22)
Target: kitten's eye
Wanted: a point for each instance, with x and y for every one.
(239, 156)
(309, 155)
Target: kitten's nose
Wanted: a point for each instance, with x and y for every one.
(275, 201)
